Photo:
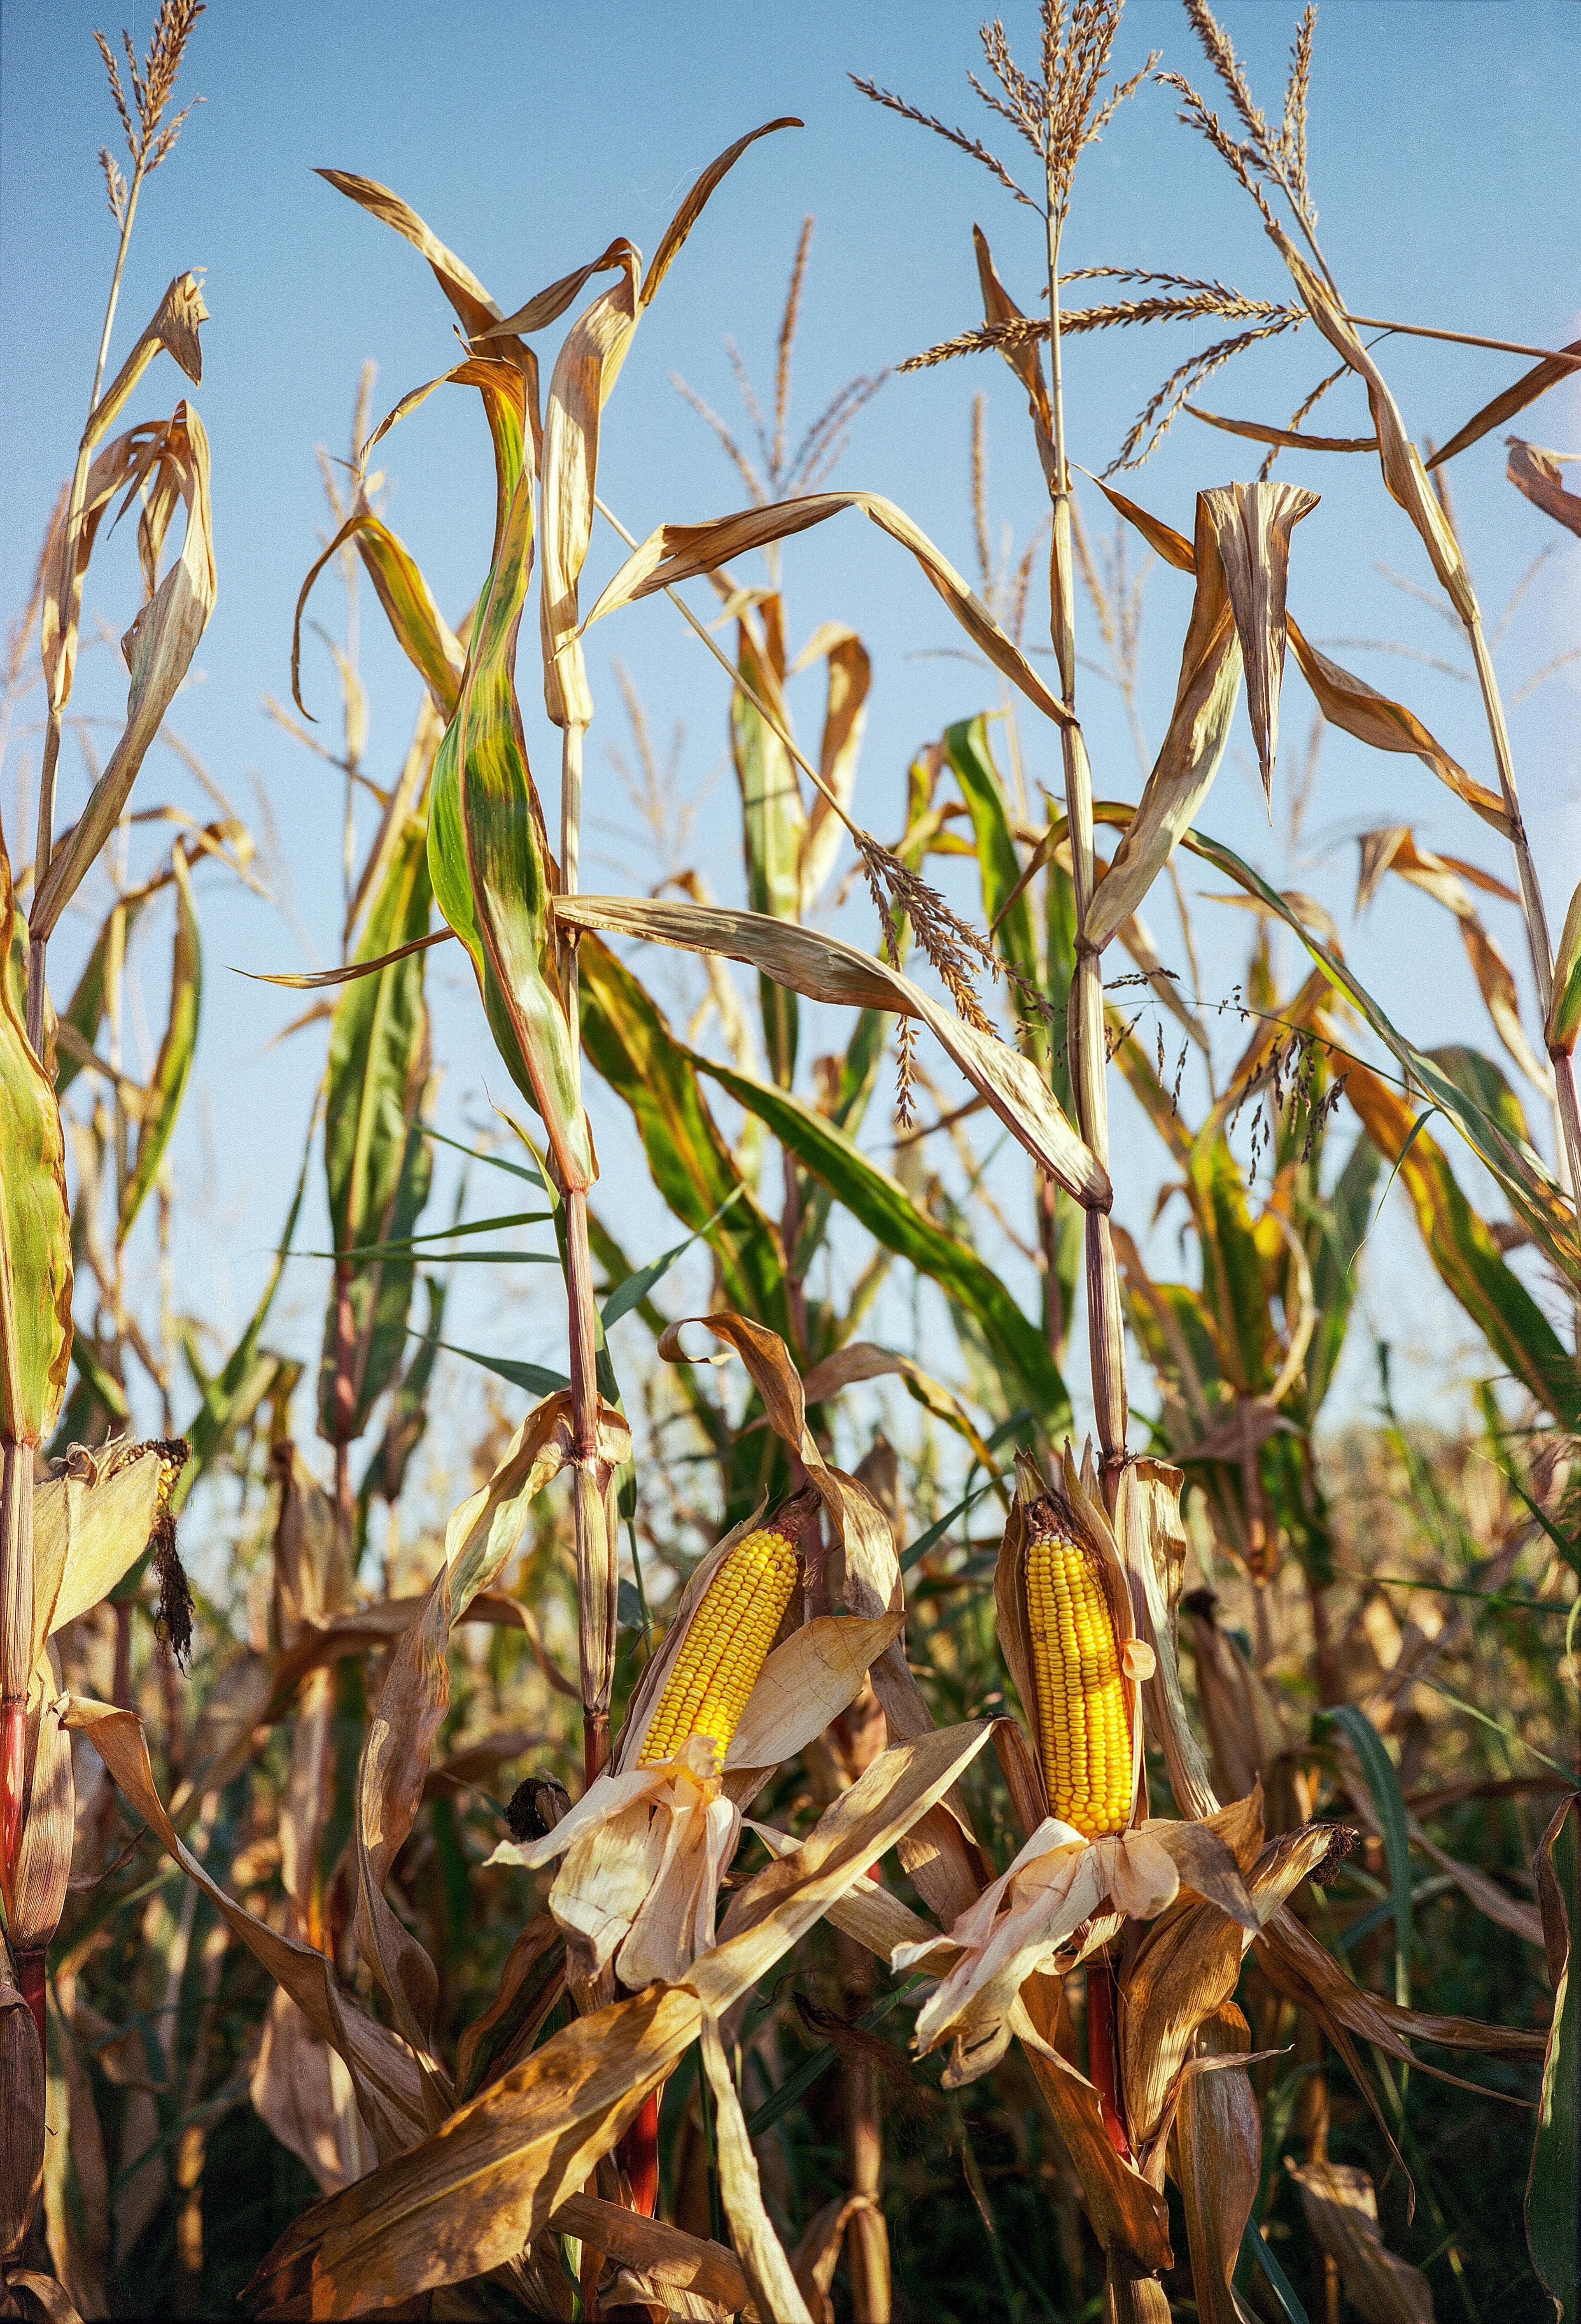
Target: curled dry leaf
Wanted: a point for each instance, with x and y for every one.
(1342, 2213)
(679, 552)
(1346, 701)
(1199, 728)
(826, 969)
(420, 630)
(850, 676)
(861, 1359)
(484, 1531)
(158, 647)
(1290, 439)
(1251, 525)
(1551, 372)
(1536, 473)
(670, 2260)
(387, 2078)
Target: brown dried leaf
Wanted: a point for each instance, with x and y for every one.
(1345, 700)
(1342, 2213)
(1219, 2150)
(302, 2089)
(1403, 473)
(679, 552)
(395, 1757)
(22, 2110)
(671, 2261)
(844, 721)
(1199, 728)
(38, 1890)
(826, 969)
(862, 1360)
(388, 2081)
(1536, 473)
(1154, 1537)
(173, 327)
(158, 647)
(763, 2256)
(1290, 439)
(1294, 1960)
(1130, 2217)
(1549, 373)
(1253, 524)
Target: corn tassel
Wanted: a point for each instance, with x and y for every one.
(1084, 1736)
(724, 1647)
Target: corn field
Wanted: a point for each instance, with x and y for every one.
(1026, 1815)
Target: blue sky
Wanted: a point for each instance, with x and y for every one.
(1444, 164)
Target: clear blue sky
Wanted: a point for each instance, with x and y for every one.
(1444, 159)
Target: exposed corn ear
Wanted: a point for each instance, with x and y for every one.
(1084, 1733)
(726, 1642)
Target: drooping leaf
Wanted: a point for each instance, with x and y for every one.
(158, 647)
(1556, 2154)
(1532, 383)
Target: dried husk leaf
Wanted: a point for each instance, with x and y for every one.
(481, 2188)
(826, 969)
(1293, 1961)
(1251, 525)
(91, 1524)
(38, 1888)
(1536, 473)
(1552, 2226)
(1245, 1731)
(389, 2083)
(679, 552)
(805, 1683)
(1130, 2217)
(1188, 760)
(763, 2256)
(1290, 439)
(1218, 2152)
(1150, 1527)
(158, 649)
(1342, 2213)
(485, 1530)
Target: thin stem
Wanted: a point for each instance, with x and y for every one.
(1087, 1048)
(596, 1561)
(1469, 339)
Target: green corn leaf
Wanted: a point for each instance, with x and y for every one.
(495, 1161)
(487, 852)
(534, 1377)
(1232, 1268)
(629, 1041)
(1389, 1807)
(634, 1289)
(377, 1168)
(1564, 1021)
(773, 820)
(173, 1068)
(966, 747)
(35, 1226)
(420, 630)
(1333, 1230)
(407, 1417)
(876, 1201)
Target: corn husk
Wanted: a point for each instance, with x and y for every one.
(646, 1848)
(91, 1524)
(471, 2196)
(1253, 524)
(774, 2288)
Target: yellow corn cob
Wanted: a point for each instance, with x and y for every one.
(725, 1647)
(1084, 1740)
